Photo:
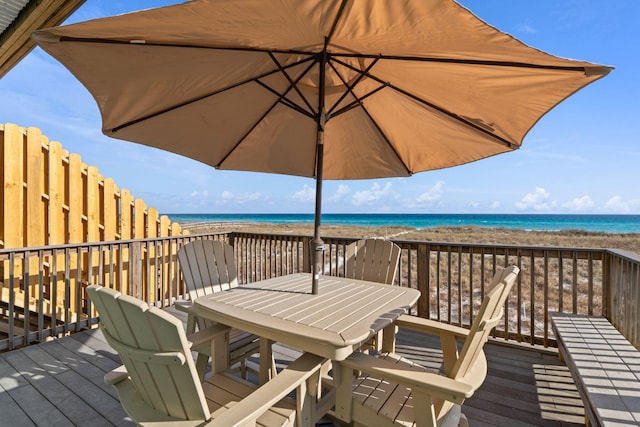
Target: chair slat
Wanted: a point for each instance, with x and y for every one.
(375, 260)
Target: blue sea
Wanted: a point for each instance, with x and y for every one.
(600, 223)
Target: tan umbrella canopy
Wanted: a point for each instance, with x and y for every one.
(331, 89)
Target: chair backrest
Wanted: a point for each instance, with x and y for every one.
(154, 350)
(375, 260)
(207, 266)
(490, 312)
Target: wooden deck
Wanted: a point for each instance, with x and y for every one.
(60, 383)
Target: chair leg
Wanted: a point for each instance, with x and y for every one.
(274, 370)
(201, 365)
(243, 369)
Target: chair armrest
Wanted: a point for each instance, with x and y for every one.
(429, 326)
(416, 379)
(254, 405)
(185, 306)
(116, 375)
(189, 308)
(202, 339)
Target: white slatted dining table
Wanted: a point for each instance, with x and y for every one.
(334, 323)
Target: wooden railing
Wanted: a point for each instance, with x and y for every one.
(57, 304)
(452, 278)
(621, 292)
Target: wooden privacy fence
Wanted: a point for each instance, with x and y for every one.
(50, 197)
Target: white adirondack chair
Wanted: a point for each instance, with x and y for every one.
(393, 391)
(159, 385)
(375, 260)
(208, 266)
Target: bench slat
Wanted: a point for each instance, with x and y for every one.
(604, 365)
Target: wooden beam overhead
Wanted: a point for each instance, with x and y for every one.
(15, 40)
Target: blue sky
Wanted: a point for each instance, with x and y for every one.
(582, 157)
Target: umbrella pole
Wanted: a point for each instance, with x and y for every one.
(317, 244)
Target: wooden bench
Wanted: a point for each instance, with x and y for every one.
(604, 365)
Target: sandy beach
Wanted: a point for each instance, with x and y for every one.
(465, 234)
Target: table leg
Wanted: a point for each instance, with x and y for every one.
(220, 353)
(343, 383)
(388, 339)
(267, 364)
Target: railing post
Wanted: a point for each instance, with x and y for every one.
(306, 255)
(606, 284)
(423, 280)
(135, 269)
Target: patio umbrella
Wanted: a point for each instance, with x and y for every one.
(329, 89)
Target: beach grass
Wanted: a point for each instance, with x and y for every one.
(461, 234)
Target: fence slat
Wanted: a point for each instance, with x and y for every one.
(34, 184)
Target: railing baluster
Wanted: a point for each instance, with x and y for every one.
(12, 298)
(574, 291)
(590, 284)
(53, 291)
(532, 298)
(40, 302)
(26, 290)
(545, 304)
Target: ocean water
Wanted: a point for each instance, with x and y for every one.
(601, 223)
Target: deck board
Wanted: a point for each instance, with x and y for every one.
(60, 382)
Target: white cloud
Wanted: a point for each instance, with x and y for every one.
(617, 204)
(200, 194)
(526, 28)
(227, 197)
(307, 194)
(373, 195)
(579, 203)
(538, 201)
(613, 203)
(495, 205)
(342, 191)
(432, 194)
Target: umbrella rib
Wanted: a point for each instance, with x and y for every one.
(293, 84)
(226, 156)
(200, 98)
(388, 141)
(435, 107)
(281, 99)
(357, 102)
(142, 42)
(350, 86)
(463, 61)
(335, 21)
